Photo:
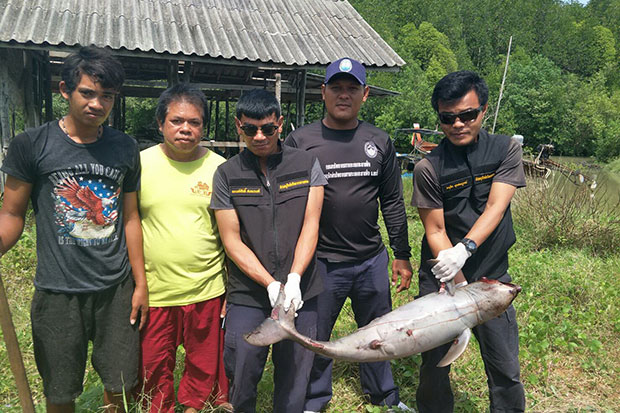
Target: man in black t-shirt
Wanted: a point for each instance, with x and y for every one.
(82, 178)
(359, 162)
(463, 190)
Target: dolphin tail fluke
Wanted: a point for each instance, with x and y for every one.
(456, 349)
(279, 326)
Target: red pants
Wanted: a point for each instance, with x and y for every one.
(197, 327)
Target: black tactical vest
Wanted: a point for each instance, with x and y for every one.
(271, 213)
(465, 176)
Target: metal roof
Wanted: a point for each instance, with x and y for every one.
(279, 32)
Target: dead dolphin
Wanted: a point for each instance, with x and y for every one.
(418, 326)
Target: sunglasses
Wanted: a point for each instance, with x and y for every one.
(466, 116)
(251, 130)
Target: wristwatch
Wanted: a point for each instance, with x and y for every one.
(470, 245)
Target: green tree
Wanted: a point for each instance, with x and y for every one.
(534, 95)
(564, 74)
(608, 14)
(429, 57)
(412, 105)
(429, 48)
(599, 113)
(140, 119)
(587, 49)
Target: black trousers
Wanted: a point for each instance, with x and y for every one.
(244, 363)
(367, 284)
(499, 348)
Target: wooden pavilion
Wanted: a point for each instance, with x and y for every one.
(223, 46)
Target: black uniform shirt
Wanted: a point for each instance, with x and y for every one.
(361, 168)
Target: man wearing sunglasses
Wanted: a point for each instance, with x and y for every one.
(360, 163)
(267, 203)
(463, 190)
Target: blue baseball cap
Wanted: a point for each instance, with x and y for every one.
(346, 66)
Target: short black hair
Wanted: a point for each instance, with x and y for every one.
(455, 85)
(95, 62)
(181, 92)
(258, 104)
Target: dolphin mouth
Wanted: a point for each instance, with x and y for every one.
(515, 286)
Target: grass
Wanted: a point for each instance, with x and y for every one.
(614, 166)
(568, 315)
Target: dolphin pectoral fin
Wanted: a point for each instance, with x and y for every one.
(458, 347)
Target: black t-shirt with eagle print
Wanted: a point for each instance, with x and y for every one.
(77, 197)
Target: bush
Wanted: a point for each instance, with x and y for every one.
(608, 145)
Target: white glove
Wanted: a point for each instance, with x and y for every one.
(292, 292)
(273, 289)
(451, 260)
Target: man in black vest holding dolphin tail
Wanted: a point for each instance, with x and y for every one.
(463, 190)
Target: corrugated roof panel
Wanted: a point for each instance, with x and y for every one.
(207, 31)
(298, 32)
(309, 33)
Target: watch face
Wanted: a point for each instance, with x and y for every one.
(469, 245)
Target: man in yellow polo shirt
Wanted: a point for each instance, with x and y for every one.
(184, 259)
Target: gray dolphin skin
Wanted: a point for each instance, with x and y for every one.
(418, 326)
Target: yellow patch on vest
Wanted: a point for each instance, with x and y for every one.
(457, 185)
(484, 177)
(293, 184)
(250, 191)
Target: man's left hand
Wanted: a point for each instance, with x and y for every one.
(403, 269)
(139, 303)
(292, 292)
(223, 310)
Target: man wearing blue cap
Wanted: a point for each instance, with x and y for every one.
(359, 161)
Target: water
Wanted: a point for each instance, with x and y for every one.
(607, 184)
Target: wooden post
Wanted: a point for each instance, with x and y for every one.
(217, 117)
(209, 118)
(279, 87)
(15, 356)
(39, 76)
(115, 117)
(123, 113)
(30, 110)
(187, 71)
(5, 120)
(227, 118)
(173, 72)
(301, 99)
(47, 88)
(287, 127)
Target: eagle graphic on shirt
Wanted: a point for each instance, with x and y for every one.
(86, 209)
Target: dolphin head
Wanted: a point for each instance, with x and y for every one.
(492, 296)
